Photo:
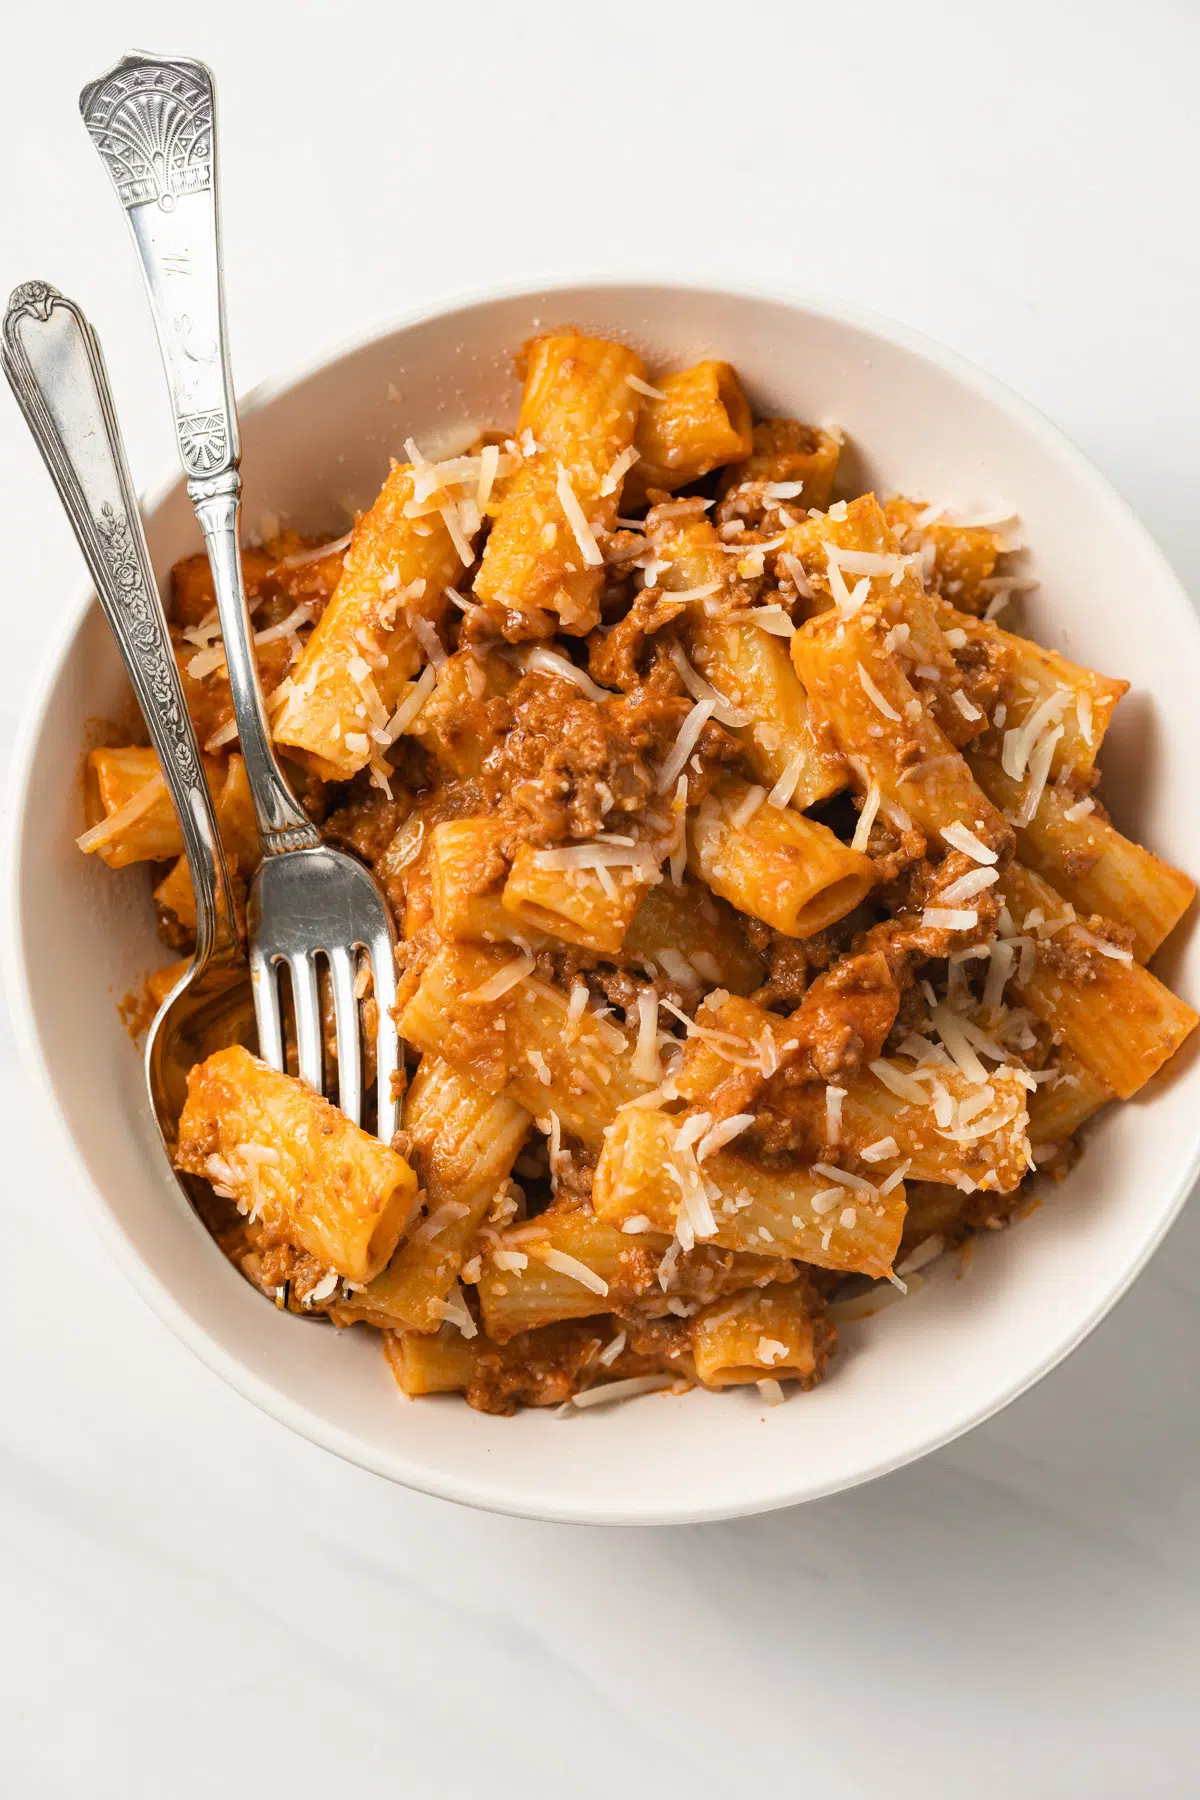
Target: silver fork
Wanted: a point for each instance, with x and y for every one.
(154, 124)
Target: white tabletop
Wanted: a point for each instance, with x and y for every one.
(196, 1601)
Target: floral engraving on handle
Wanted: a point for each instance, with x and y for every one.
(153, 125)
(146, 634)
(34, 297)
(203, 442)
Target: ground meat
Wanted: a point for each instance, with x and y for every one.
(935, 1210)
(279, 1269)
(845, 1018)
(175, 936)
(1075, 962)
(300, 580)
(893, 851)
(573, 1176)
(483, 624)
(841, 1024)
(923, 884)
(981, 665)
(911, 1015)
(1078, 863)
(403, 865)
(367, 822)
(787, 972)
(1070, 960)
(545, 1367)
(616, 657)
(569, 767)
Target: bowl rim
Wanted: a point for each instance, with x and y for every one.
(480, 1490)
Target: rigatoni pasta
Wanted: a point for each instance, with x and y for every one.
(294, 1164)
(761, 930)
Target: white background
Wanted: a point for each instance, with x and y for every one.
(192, 1599)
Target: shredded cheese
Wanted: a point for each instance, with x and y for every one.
(781, 794)
(875, 697)
(685, 743)
(700, 689)
(618, 471)
(949, 918)
(721, 1134)
(606, 1393)
(571, 1267)
(866, 819)
(967, 886)
(508, 977)
(541, 661)
(417, 694)
(959, 837)
(135, 807)
(585, 537)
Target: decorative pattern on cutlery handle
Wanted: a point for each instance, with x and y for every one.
(53, 362)
(153, 121)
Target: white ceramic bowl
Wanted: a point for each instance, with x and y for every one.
(905, 1382)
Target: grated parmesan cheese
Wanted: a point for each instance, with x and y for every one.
(700, 689)
(721, 1134)
(795, 568)
(508, 977)
(875, 697)
(540, 661)
(1115, 951)
(747, 806)
(1039, 773)
(1018, 743)
(589, 549)
(605, 1393)
(570, 1266)
(417, 694)
(968, 885)
(866, 819)
(685, 743)
(949, 918)
(147, 795)
(781, 794)
(834, 1097)
(646, 1064)
(618, 471)
(897, 1082)
(643, 387)
(959, 837)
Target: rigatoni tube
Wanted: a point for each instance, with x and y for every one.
(777, 865)
(580, 412)
(295, 1163)
(774, 1212)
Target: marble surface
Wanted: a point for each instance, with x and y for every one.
(196, 1601)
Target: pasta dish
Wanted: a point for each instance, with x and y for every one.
(762, 934)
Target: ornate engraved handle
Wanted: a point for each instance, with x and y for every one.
(54, 365)
(154, 124)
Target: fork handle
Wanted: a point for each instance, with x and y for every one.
(54, 365)
(154, 124)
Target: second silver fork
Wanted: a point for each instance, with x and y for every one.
(154, 124)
